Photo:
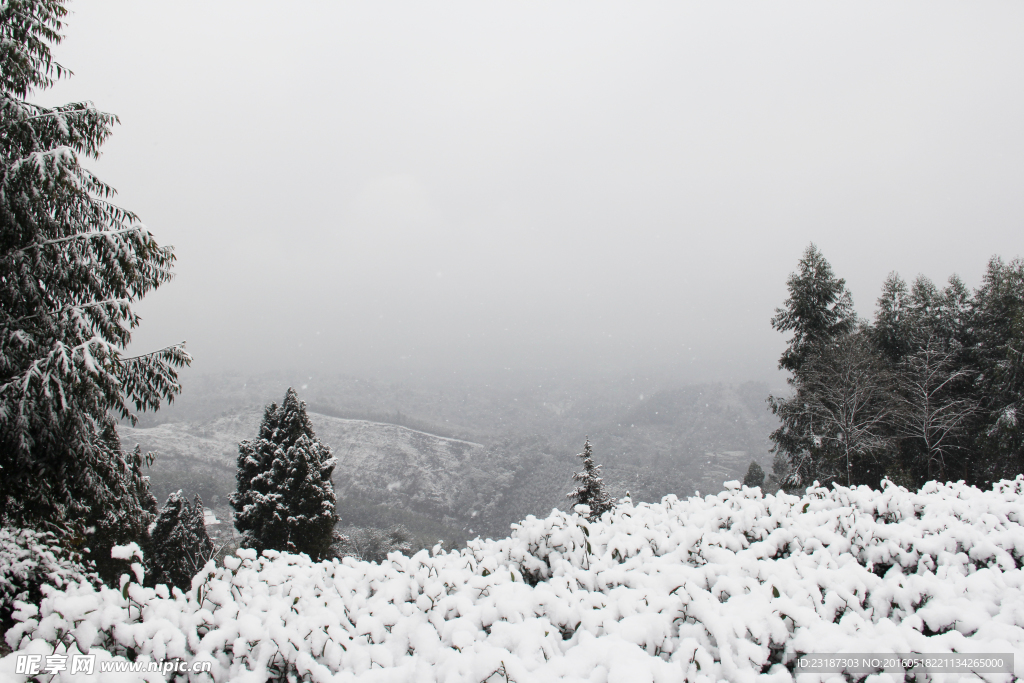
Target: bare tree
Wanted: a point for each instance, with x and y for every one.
(846, 401)
(928, 406)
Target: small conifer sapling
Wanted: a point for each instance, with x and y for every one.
(590, 490)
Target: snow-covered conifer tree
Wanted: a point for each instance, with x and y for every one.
(755, 475)
(818, 311)
(180, 545)
(131, 508)
(591, 487)
(71, 265)
(285, 497)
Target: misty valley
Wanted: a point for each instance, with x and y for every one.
(455, 462)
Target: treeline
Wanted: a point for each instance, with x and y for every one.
(931, 389)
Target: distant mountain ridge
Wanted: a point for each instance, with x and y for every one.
(450, 481)
(468, 480)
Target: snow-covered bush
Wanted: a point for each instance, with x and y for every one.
(371, 544)
(734, 586)
(28, 560)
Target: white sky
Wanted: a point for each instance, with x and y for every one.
(465, 186)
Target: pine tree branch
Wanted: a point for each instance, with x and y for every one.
(95, 233)
(172, 347)
(94, 304)
(55, 113)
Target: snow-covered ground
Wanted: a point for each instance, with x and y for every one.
(730, 587)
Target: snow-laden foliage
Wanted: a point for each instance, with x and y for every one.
(730, 587)
(71, 265)
(129, 507)
(285, 497)
(372, 544)
(30, 559)
(180, 544)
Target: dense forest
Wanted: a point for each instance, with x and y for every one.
(929, 390)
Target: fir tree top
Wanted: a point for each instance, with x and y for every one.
(284, 425)
(819, 309)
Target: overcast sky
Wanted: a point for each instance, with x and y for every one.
(461, 187)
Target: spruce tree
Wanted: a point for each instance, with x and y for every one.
(285, 498)
(893, 325)
(819, 309)
(997, 354)
(71, 266)
(591, 487)
(180, 544)
(755, 475)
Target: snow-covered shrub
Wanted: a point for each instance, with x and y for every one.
(371, 544)
(28, 560)
(734, 586)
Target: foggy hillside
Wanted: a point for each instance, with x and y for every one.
(458, 461)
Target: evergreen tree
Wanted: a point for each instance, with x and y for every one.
(180, 545)
(591, 487)
(997, 352)
(285, 498)
(818, 311)
(130, 511)
(755, 475)
(779, 474)
(893, 326)
(71, 265)
(935, 394)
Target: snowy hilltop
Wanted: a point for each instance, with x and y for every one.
(734, 586)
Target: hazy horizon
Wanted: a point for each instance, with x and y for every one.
(399, 190)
